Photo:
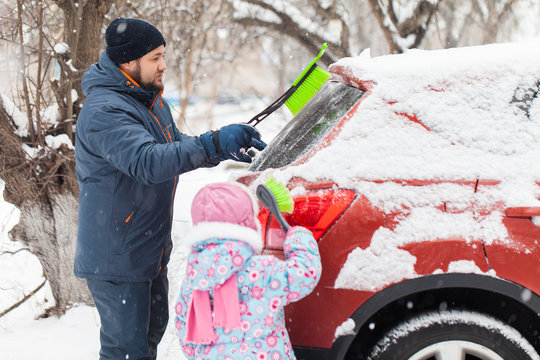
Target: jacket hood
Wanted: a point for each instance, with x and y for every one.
(214, 260)
(105, 74)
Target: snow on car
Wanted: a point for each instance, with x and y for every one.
(419, 175)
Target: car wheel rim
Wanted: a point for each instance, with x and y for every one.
(455, 350)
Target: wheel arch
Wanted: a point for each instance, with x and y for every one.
(508, 301)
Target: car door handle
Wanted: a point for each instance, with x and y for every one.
(523, 211)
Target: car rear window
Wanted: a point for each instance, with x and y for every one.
(312, 123)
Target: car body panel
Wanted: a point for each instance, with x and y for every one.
(518, 261)
(307, 330)
(437, 256)
(354, 229)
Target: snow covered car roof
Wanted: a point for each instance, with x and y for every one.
(477, 108)
(456, 114)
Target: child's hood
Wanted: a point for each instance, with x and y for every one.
(218, 250)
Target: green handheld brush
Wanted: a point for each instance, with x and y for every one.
(300, 92)
(277, 198)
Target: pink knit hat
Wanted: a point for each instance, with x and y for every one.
(225, 203)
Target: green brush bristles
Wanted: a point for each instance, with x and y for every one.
(307, 89)
(309, 86)
(282, 194)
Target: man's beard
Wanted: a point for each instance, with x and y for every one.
(151, 86)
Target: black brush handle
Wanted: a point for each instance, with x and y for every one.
(266, 196)
(281, 100)
(272, 107)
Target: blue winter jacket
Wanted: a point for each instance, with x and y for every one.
(128, 154)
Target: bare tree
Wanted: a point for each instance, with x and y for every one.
(82, 30)
(307, 22)
(201, 38)
(43, 184)
(404, 29)
(348, 26)
(344, 25)
(461, 22)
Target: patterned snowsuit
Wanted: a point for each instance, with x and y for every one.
(265, 285)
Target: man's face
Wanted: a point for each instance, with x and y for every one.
(148, 70)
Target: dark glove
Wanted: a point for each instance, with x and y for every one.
(232, 142)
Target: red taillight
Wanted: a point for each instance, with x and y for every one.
(316, 211)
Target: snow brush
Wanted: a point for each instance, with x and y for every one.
(277, 198)
(300, 92)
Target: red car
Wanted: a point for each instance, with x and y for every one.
(419, 176)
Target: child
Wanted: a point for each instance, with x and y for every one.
(231, 302)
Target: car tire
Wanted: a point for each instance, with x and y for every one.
(453, 335)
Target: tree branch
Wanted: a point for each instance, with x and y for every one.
(507, 8)
(20, 302)
(417, 20)
(380, 16)
(39, 83)
(392, 13)
(5, 252)
(289, 27)
(26, 94)
(312, 42)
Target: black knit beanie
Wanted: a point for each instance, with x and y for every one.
(130, 39)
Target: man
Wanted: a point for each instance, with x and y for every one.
(128, 157)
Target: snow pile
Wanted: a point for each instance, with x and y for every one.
(56, 141)
(449, 115)
(20, 119)
(51, 115)
(9, 216)
(25, 271)
(347, 328)
(465, 266)
(61, 48)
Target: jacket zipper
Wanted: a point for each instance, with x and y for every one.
(168, 139)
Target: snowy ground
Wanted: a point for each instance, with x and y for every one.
(76, 334)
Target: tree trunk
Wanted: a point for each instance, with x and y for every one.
(26, 93)
(82, 32)
(45, 188)
(187, 85)
(49, 228)
(48, 203)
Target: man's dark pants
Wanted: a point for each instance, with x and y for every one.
(133, 316)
